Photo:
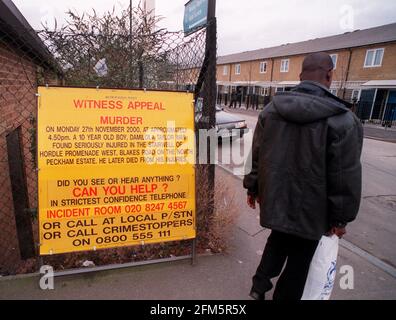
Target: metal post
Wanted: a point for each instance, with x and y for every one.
(373, 105)
(177, 68)
(209, 107)
(40, 262)
(130, 43)
(193, 251)
(141, 73)
(20, 193)
(385, 109)
(130, 18)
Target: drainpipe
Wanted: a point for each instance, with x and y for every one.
(272, 75)
(347, 73)
(249, 96)
(230, 81)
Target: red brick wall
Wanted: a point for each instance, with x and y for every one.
(387, 71)
(17, 106)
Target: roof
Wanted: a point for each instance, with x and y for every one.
(358, 38)
(380, 84)
(15, 28)
(289, 83)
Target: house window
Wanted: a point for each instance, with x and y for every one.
(284, 65)
(237, 69)
(264, 92)
(374, 58)
(355, 95)
(333, 91)
(263, 66)
(225, 89)
(225, 70)
(280, 89)
(334, 57)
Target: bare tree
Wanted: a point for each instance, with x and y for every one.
(109, 50)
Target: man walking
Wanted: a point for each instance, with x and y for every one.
(306, 176)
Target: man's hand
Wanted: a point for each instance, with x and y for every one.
(251, 201)
(339, 232)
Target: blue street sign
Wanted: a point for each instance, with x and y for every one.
(195, 15)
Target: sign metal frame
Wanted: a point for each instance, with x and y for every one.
(192, 241)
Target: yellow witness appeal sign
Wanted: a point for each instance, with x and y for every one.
(116, 168)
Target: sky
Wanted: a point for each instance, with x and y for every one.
(243, 25)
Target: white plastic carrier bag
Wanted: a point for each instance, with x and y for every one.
(322, 271)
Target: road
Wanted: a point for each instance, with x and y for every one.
(374, 230)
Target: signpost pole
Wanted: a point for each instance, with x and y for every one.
(131, 43)
(209, 91)
(193, 251)
(200, 14)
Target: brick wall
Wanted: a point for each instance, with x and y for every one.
(256, 75)
(17, 108)
(245, 74)
(341, 66)
(220, 72)
(357, 71)
(386, 72)
(295, 63)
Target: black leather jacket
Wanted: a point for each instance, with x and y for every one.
(306, 166)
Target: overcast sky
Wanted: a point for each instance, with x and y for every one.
(244, 25)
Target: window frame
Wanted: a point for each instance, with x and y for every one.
(336, 60)
(264, 91)
(359, 91)
(282, 70)
(225, 70)
(238, 68)
(262, 69)
(372, 65)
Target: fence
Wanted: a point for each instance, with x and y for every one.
(387, 118)
(92, 52)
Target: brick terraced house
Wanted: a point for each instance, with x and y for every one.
(365, 71)
(24, 63)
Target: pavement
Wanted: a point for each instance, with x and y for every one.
(214, 277)
(378, 132)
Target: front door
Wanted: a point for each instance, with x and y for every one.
(365, 104)
(379, 104)
(389, 118)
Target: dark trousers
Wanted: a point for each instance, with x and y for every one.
(281, 247)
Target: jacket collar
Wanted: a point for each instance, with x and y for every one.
(320, 90)
(316, 84)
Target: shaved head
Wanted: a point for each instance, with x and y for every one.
(318, 67)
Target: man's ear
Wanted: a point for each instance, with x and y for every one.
(329, 76)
